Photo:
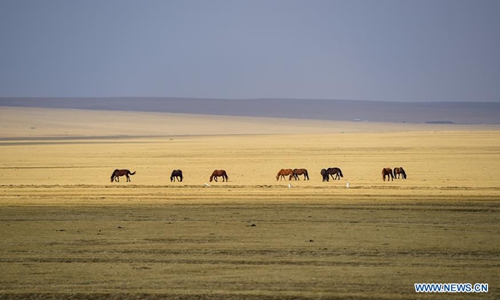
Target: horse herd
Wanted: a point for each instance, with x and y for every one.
(295, 174)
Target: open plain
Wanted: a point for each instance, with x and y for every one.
(68, 232)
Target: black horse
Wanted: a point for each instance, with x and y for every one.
(335, 171)
(176, 174)
(324, 174)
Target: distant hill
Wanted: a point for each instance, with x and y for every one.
(341, 110)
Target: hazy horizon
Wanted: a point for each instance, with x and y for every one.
(71, 98)
(344, 110)
(384, 50)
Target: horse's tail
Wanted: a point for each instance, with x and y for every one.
(341, 175)
(306, 175)
(131, 173)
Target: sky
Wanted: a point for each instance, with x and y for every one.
(383, 50)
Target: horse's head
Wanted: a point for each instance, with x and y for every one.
(112, 178)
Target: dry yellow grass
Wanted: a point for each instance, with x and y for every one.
(67, 231)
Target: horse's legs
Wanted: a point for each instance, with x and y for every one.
(128, 178)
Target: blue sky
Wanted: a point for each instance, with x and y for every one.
(387, 50)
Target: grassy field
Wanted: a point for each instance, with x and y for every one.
(68, 232)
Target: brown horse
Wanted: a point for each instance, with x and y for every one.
(117, 173)
(284, 172)
(298, 172)
(334, 171)
(176, 174)
(387, 172)
(219, 173)
(399, 172)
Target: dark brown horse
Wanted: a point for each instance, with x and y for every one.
(298, 172)
(176, 174)
(117, 173)
(284, 172)
(334, 171)
(387, 172)
(219, 173)
(399, 172)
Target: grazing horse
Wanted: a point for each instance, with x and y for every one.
(176, 174)
(117, 173)
(399, 172)
(387, 172)
(334, 171)
(298, 172)
(324, 174)
(284, 172)
(219, 173)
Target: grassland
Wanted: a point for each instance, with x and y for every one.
(68, 232)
